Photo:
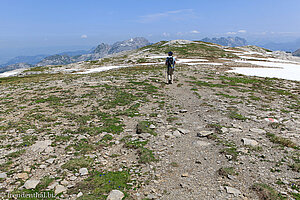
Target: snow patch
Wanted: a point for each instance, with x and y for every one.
(11, 73)
(190, 60)
(276, 70)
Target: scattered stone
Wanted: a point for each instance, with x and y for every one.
(60, 189)
(30, 131)
(79, 194)
(43, 166)
(177, 133)
(80, 137)
(243, 150)
(184, 175)
(115, 195)
(3, 175)
(152, 126)
(169, 135)
(200, 143)
(224, 130)
(233, 191)
(52, 186)
(40, 146)
(249, 142)
(83, 171)
(235, 130)
(50, 161)
(23, 176)
(204, 133)
(49, 150)
(27, 169)
(73, 178)
(183, 131)
(257, 130)
(151, 196)
(183, 185)
(64, 182)
(198, 162)
(91, 155)
(31, 184)
(183, 111)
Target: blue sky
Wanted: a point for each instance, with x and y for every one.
(85, 23)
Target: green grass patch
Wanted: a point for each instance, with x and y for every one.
(232, 152)
(235, 115)
(266, 192)
(144, 127)
(281, 141)
(225, 171)
(146, 155)
(16, 154)
(99, 184)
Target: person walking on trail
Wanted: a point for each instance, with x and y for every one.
(170, 63)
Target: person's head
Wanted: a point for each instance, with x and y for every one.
(170, 53)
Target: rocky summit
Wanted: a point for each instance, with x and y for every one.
(112, 128)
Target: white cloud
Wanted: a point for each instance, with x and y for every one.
(84, 36)
(166, 34)
(231, 33)
(172, 15)
(242, 31)
(195, 32)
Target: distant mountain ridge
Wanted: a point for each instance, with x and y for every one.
(64, 58)
(227, 41)
(283, 46)
(297, 53)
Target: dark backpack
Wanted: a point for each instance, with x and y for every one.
(170, 61)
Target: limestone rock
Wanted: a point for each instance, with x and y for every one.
(177, 133)
(22, 176)
(83, 171)
(249, 142)
(115, 195)
(50, 161)
(257, 130)
(204, 133)
(79, 194)
(183, 131)
(3, 175)
(59, 189)
(31, 184)
(200, 143)
(30, 131)
(233, 191)
(152, 126)
(40, 146)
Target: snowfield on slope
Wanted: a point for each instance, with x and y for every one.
(275, 70)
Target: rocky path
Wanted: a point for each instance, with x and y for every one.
(193, 160)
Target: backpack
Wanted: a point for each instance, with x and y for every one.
(170, 61)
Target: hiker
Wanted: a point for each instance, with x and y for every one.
(170, 63)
